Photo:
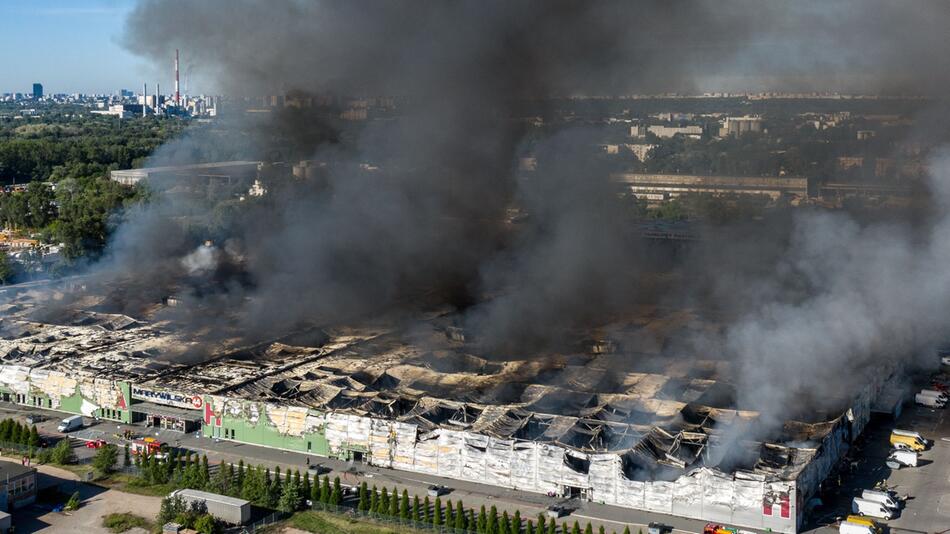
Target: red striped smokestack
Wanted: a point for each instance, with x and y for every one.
(177, 94)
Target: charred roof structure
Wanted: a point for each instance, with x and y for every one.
(605, 422)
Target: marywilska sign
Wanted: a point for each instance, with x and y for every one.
(169, 398)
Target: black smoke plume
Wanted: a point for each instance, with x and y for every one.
(431, 223)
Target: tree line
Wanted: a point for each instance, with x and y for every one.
(16, 433)
(292, 491)
(51, 147)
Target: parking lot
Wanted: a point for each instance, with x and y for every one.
(926, 488)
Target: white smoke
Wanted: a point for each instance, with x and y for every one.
(202, 260)
(872, 292)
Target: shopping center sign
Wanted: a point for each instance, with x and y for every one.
(179, 400)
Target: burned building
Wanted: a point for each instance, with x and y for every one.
(607, 422)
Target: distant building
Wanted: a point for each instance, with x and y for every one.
(736, 126)
(354, 114)
(37, 90)
(123, 111)
(850, 162)
(665, 132)
(864, 135)
(217, 171)
(638, 130)
(148, 100)
(668, 186)
(884, 167)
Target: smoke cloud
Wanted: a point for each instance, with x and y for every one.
(816, 306)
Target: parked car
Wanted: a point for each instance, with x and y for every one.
(555, 511)
(436, 490)
(95, 444)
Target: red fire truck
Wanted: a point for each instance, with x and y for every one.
(149, 447)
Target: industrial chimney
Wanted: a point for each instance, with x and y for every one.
(177, 94)
(144, 99)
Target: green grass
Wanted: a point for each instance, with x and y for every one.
(80, 470)
(328, 523)
(132, 484)
(125, 521)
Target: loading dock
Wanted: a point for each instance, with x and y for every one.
(166, 417)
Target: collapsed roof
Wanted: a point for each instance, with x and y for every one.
(663, 414)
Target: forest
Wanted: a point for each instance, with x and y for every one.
(65, 161)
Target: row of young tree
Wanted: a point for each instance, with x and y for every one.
(459, 518)
(13, 432)
(289, 491)
(259, 485)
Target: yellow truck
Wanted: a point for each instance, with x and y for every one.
(905, 439)
(860, 520)
(856, 524)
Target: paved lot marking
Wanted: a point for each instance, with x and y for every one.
(943, 505)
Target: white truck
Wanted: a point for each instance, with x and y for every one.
(870, 508)
(847, 527)
(942, 395)
(70, 423)
(901, 458)
(884, 497)
(929, 401)
(222, 507)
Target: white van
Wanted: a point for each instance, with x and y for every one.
(846, 527)
(902, 458)
(70, 423)
(870, 508)
(911, 434)
(929, 401)
(882, 497)
(936, 394)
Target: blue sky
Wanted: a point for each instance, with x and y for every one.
(70, 46)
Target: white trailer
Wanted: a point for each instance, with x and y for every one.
(222, 507)
(929, 401)
(870, 508)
